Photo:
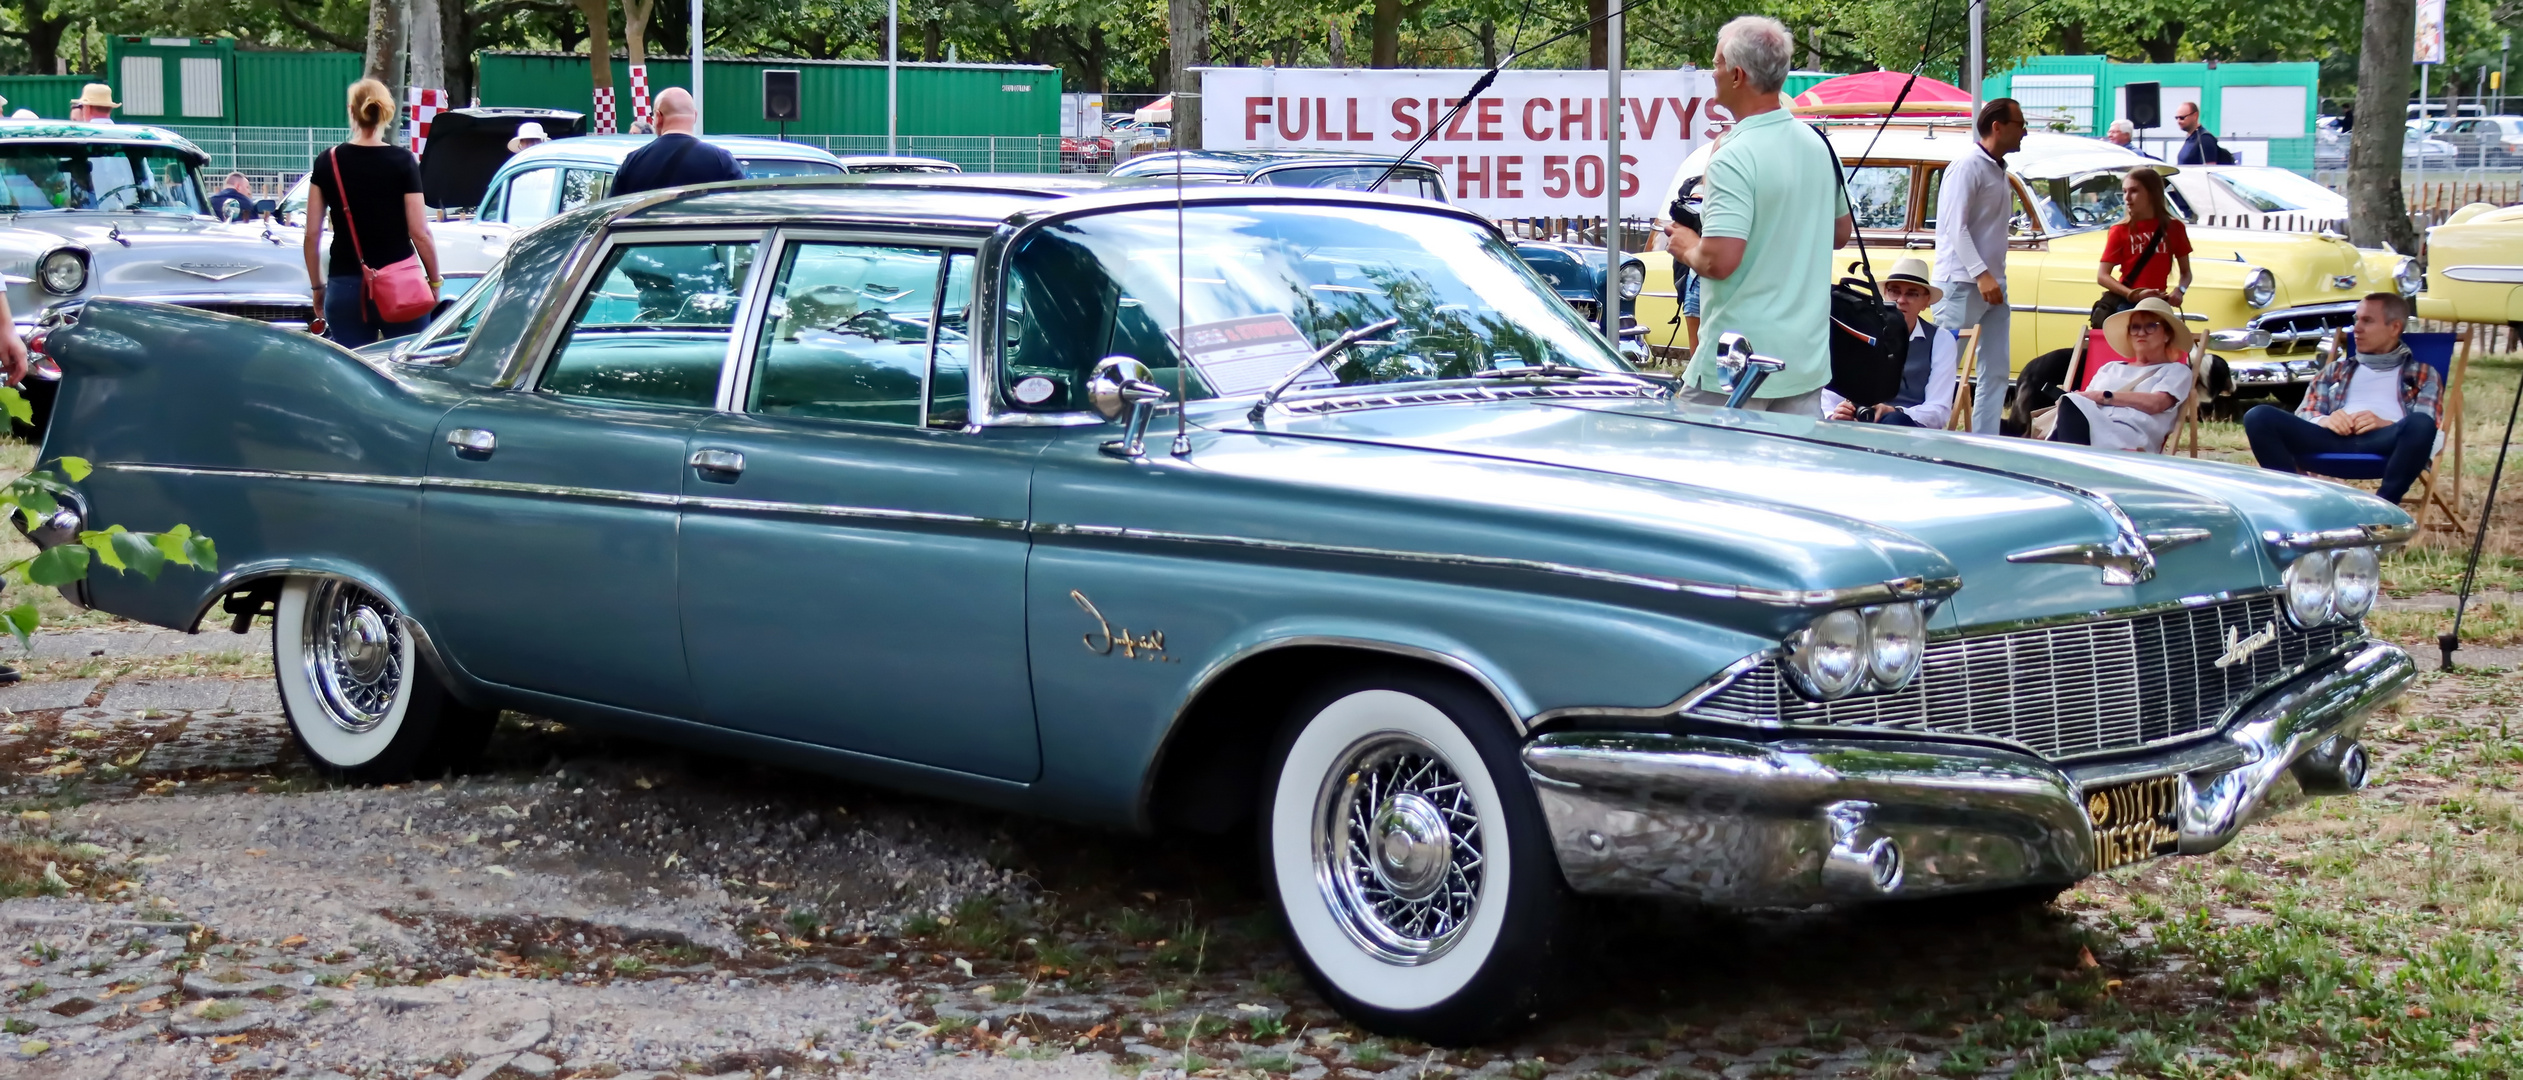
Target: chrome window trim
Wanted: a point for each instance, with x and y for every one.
(551, 324)
(477, 296)
(1896, 589)
(2492, 275)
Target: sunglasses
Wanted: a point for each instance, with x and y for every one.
(2148, 326)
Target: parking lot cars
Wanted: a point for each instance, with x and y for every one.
(2265, 299)
(1293, 511)
(1575, 271)
(2484, 142)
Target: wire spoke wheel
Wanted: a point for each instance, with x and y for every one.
(1398, 849)
(354, 654)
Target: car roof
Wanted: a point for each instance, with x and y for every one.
(611, 149)
(132, 134)
(2044, 153)
(966, 200)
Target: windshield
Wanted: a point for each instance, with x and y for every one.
(2273, 190)
(98, 176)
(2087, 201)
(1261, 287)
(1408, 183)
(764, 168)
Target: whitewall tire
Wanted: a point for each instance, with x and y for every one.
(361, 702)
(1409, 857)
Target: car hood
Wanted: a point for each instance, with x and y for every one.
(148, 255)
(2283, 253)
(1798, 503)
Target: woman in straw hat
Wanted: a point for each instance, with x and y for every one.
(2131, 404)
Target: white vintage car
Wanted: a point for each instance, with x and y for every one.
(2258, 197)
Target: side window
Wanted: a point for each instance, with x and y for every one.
(654, 326)
(1927, 206)
(494, 203)
(1879, 196)
(445, 336)
(950, 372)
(847, 332)
(582, 186)
(530, 196)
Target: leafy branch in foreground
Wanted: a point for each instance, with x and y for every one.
(37, 496)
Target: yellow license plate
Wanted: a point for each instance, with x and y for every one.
(2134, 822)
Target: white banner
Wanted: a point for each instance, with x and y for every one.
(1532, 145)
(2430, 43)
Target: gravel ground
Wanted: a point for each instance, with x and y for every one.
(589, 907)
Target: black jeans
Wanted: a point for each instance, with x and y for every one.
(1896, 418)
(2279, 438)
(2072, 427)
(350, 321)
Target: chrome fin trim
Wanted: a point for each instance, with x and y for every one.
(2350, 536)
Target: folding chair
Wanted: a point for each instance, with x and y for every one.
(2097, 348)
(1965, 371)
(2436, 351)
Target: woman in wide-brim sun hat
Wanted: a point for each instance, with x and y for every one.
(2132, 404)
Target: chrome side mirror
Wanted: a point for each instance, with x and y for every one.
(1122, 385)
(1745, 371)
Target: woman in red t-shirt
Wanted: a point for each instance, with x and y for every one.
(2143, 190)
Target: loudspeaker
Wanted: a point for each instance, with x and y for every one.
(779, 95)
(2145, 106)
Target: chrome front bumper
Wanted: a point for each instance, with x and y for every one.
(1802, 820)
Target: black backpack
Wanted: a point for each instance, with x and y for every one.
(1870, 341)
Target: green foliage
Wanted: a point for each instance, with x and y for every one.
(34, 498)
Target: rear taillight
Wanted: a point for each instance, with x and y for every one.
(40, 364)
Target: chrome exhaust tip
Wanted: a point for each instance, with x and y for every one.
(1862, 863)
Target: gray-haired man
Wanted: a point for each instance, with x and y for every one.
(1773, 213)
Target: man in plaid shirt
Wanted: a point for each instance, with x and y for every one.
(2376, 401)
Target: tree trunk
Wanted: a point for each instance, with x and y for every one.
(635, 39)
(2378, 214)
(1598, 34)
(1187, 42)
(599, 15)
(2072, 39)
(42, 36)
(1386, 52)
(1334, 50)
(933, 40)
(428, 54)
(455, 44)
(1488, 37)
(386, 54)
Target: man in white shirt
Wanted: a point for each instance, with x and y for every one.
(1974, 209)
(1926, 397)
(2376, 400)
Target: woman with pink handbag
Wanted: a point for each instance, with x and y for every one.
(384, 271)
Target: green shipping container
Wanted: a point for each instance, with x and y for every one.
(837, 97)
(209, 82)
(2264, 112)
(48, 96)
(294, 89)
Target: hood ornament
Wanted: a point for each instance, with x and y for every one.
(114, 232)
(213, 271)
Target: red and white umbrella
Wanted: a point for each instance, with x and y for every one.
(1872, 93)
(1161, 112)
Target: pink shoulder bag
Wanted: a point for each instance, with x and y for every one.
(400, 291)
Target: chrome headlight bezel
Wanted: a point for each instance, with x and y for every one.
(1633, 281)
(2407, 278)
(62, 271)
(2311, 588)
(1826, 660)
(1878, 648)
(2356, 581)
(2260, 287)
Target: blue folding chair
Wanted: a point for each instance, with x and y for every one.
(2436, 351)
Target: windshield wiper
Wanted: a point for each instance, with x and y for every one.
(1325, 353)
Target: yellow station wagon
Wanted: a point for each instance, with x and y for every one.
(2267, 298)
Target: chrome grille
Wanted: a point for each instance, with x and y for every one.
(2064, 691)
(294, 314)
(2301, 330)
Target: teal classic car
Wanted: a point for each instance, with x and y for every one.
(1308, 516)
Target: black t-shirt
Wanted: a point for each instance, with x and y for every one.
(378, 177)
(673, 161)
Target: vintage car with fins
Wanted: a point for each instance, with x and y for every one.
(1327, 525)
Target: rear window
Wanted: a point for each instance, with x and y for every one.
(765, 168)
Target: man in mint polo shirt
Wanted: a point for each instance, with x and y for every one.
(1772, 214)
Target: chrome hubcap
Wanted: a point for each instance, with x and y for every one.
(354, 655)
(1397, 849)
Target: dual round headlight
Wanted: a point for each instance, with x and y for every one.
(63, 272)
(2332, 586)
(1853, 648)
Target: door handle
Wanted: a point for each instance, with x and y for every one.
(473, 440)
(719, 461)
